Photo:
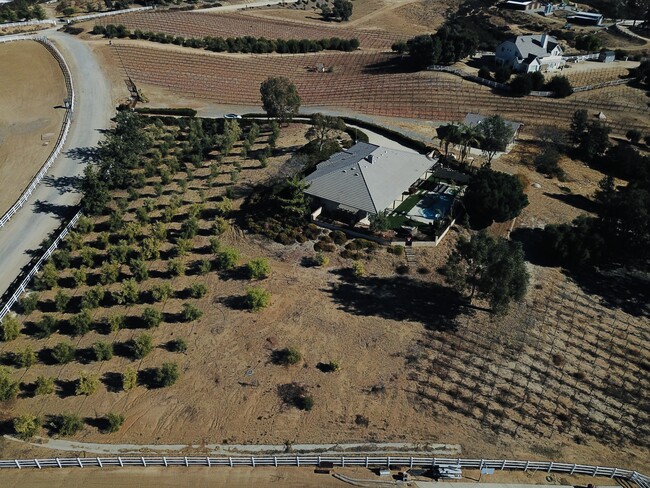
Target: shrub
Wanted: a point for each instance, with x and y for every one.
(306, 403)
(87, 384)
(28, 303)
(109, 273)
(129, 379)
(46, 326)
(93, 297)
(190, 313)
(113, 422)
(27, 426)
(115, 321)
(204, 266)
(61, 301)
(85, 225)
(81, 322)
(257, 298)
(220, 226)
(61, 259)
(63, 353)
(10, 328)
(139, 270)
(321, 260)
(151, 317)
(396, 250)
(166, 375)
(339, 237)
(322, 246)
(79, 276)
(258, 268)
(48, 277)
(68, 424)
(24, 358)
(8, 386)
(44, 385)
(287, 356)
(161, 292)
(128, 294)
(178, 345)
(358, 269)
(176, 267)
(141, 345)
(198, 290)
(227, 258)
(103, 350)
(561, 86)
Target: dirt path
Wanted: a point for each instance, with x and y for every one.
(32, 90)
(55, 197)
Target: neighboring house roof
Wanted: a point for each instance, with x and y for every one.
(475, 119)
(366, 177)
(538, 46)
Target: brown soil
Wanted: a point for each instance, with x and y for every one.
(555, 379)
(32, 86)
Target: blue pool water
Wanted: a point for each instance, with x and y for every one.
(435, 206)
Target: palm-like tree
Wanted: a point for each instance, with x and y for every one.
(469, 136)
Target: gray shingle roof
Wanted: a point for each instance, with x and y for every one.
(534, 45)
(366, 177)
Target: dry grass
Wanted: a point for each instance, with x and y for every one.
(33, 86)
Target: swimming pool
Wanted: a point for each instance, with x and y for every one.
(434, 206)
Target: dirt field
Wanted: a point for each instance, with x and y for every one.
(366, 83)
(561, 377)
(171, 478)
(190, 24)
(32, 86)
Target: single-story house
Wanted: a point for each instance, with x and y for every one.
(531, 53)
(472, 120)
(607, 56)
(366, 179)
(586, 18)
(522, 4)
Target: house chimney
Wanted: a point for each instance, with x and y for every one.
(370, 158)
(544, 40)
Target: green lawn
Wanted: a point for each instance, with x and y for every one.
(398, 217)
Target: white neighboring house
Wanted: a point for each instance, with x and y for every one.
(526, 54)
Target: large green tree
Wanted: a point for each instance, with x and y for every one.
(323, 128)
(493, 196)
(280, 98)
(488, 268)
(342, 9)
(495, 136)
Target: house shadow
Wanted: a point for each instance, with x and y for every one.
(399, 298)
(578, 201)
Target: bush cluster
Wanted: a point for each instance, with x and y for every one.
(246, 44)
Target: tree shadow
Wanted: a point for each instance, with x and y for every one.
(578, 201)
(62, 212)
(85, 355)
(399, 298)
(27, 390)
(65, 388)
(395, 65)
(64, 184)
(83, 154)
(112, 381)
(148, 378)
(46, 356)
(533, 245)
(617, 287)
(234, 302)
(100, 423)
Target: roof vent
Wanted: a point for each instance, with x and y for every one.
(356, 174)
(370, 158)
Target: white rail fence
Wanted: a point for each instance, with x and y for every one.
(98, 15)
(27, 23)
(35, 269)
(62, 134)
(337, 461)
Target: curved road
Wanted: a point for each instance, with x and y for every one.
(55, 196)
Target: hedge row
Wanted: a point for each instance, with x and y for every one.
(181, 112)
(247, 44)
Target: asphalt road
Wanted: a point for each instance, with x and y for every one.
(55, 197)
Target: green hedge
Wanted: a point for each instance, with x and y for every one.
(181, 112)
